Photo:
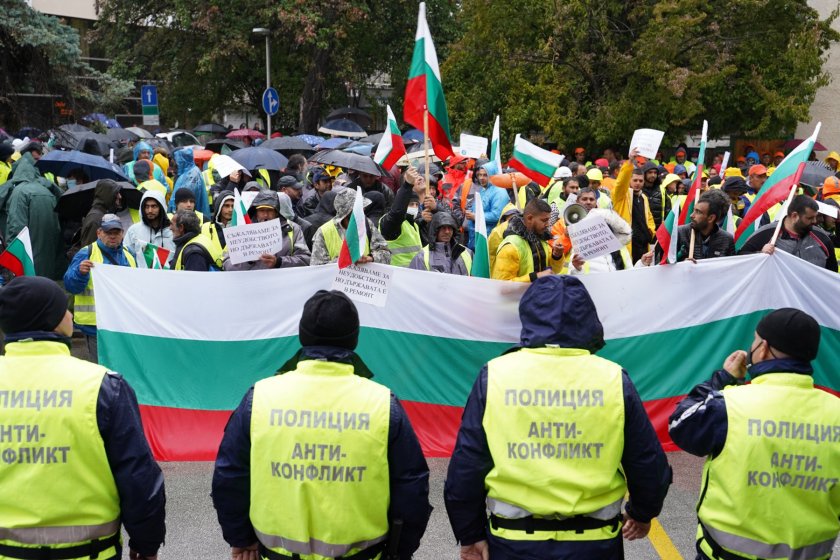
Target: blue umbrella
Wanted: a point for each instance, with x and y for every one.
(343, 127)
(310, 139)
(334, 144)
(260, 158)
(104, 119)
(60, 163)
(361, 149)
(413, 135)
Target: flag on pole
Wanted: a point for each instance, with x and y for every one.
(688, 208)
(667, 236)
(391, 147)
(154, 257)
(481, 257)
(424, 90)
(18, 255)
(240, 211)
(495, 147)
(776, 188)
(533, 161)
(355, 243)
(729, 223)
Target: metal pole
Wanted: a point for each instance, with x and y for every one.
(267, 83)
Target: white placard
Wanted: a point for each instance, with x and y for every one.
(828, 209)
(247, 242)
(364, 284)
(647, 140)
(472, 146)
(592, 237)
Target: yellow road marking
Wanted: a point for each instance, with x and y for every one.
(662, 542)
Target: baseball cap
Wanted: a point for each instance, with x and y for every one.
(111, 222)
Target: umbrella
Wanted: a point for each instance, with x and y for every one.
(288, 145)
(61, 163)
(359, 148)
(334, 144)
(104, 119)
(418, 156)
(373, 139)
(260, 158)
(141, 132)
(121, 135)
(348, 160)
(76, 202)
(29, 131)
(815, 174)
(217, 144)
(74, 127)
(88, 142)
(210, 128)
(343, 127)
(791, 144)
(310, 139)
(413, 135)
(245, 133)
(351, 113)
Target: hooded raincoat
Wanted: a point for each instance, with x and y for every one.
(189, 176)
(157, 173)
(144, 232)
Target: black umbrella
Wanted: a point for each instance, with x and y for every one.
(88, 142)
(814, 175)
(348, 160)
(211, 128)
(344, 128)
(260, 158)
(76, 202)
(372, 139)
(217, 144)
(121, 135)
(29, 131)
(61, 163)
(288, 145)
(355, 114)
(74, 127)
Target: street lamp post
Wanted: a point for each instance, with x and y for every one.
(266, 32)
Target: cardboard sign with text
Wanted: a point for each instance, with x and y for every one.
(647, 140)
(364, 284)
(247, 242)
(472, 146)
(592, 238)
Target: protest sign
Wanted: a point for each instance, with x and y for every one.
(827, 209)
(592, 237)
(364, 284)
(247, 242)
(647, 140)
(473, 146)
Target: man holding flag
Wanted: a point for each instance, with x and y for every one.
(152, 229)
(349, 238)
(710, 240)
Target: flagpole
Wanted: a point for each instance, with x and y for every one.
(426, 146)
(691, 244)
(793, 190)
(515, 191)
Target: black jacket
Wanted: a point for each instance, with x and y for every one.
(719, 243)
(196, 257)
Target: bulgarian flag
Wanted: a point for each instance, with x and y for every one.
(695, 185)
(424, 91)
(240, 211)
(667, 236)
(354, 245)
(18, 255)
(495, 151)
(533, 161)
(729, 222)
(391, 147)
(776, 189)
(154, 257)
(481, 257)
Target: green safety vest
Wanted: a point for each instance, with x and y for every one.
(408, 244)
(526, 258)
(332, 240)
(208, 245)
(319, 461)
(773, 491)
(555, 428)
(208, 229)
(58, 486)
(464, 257)
(84, 308)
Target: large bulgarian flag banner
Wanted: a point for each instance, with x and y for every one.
(424, 90)
(191, 362)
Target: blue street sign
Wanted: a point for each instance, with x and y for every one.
(148, 96)
(271, 101)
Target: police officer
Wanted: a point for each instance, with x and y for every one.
(770, 484)
(319, 462)
(75, 461)
(552, 438)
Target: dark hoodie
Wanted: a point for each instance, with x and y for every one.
(325, 211)
(104, 202)
(659, 206)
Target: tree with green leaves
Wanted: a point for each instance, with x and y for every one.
(41, 57)
(585, 72)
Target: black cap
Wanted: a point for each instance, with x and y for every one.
(6, 151)
(791, 331)
(734, 184)
(183, 194)
(329, 319)
(31, 303)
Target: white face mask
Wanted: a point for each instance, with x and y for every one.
(412, 211)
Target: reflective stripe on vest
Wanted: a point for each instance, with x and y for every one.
(319, 439)
(464, 257)
(59, 456)
(526, 257)
(546, 467)
(404, 247)
(208, 245)
(333, 240)
(84, 306)
(772, 492)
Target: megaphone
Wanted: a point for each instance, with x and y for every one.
(574, 213)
